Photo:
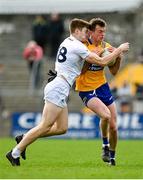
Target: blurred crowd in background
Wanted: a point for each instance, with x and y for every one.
(33, 41)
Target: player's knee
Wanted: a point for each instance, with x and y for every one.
(113, 123)
(114, 118)
(107, 116)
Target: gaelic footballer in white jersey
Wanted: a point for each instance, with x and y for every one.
(69, 62)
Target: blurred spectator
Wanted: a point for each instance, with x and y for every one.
(56, 30)
(126, 106)
(139, 91)
(33, 53)
(139, 86)
(125, 90)
(40, 31)
(114, 91)
(125, 98)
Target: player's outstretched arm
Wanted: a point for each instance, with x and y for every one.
(93, 58)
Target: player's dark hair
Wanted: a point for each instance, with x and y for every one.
(97, 21)
(78, 23)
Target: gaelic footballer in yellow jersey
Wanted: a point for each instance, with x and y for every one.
(92, 76)
(95, 92)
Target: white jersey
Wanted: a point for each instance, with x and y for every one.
(70, 59)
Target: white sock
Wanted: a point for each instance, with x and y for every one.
(103, 145)
(16, 153)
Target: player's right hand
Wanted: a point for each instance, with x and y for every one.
(124, 47)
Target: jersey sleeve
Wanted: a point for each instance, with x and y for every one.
(82, 51)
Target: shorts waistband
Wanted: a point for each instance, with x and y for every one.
(61, 76)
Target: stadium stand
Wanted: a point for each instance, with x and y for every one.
(15, 32)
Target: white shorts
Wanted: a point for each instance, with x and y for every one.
(57, 92)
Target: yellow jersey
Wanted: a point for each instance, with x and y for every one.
(94, 75)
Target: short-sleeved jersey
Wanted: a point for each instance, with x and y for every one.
(94, 76)
(70, 59)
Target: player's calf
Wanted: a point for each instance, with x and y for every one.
(18, 139)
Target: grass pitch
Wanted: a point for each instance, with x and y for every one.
(64, 159)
